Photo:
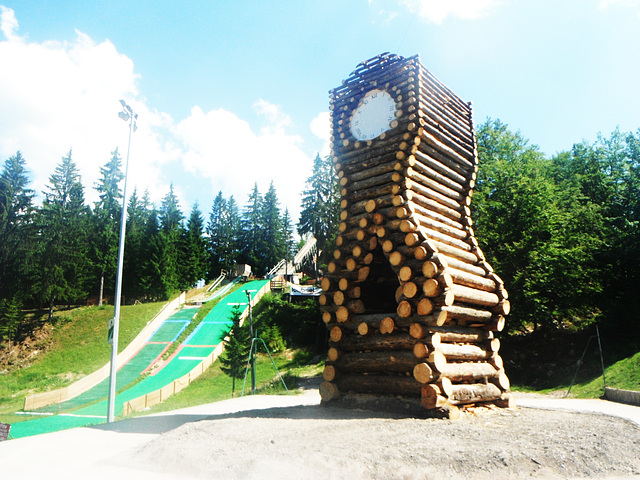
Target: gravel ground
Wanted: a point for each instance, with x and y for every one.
(293, 437)
(312, 442)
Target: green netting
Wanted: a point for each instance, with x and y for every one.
(126, 375)
(169, 331)
(53, 424)
(186, 359)
(210, 332)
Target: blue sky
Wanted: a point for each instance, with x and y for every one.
(230, 93)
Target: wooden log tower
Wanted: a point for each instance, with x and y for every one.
(409, 299)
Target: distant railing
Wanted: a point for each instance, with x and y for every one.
(307, 249)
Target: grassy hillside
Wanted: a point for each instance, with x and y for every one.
(624, 374)
(76, 347)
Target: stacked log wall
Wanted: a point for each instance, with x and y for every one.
(409, 299)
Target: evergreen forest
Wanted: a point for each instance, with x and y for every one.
(563, 232)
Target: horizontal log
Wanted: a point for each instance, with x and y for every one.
(379, 384)
(470, 372)
(328, 391)
(423, 373)
(441, 93)
(382, 201)
(472, 393)
(444, 261)
(383, 154)
(421, 350)
(433, 190)
(496, 324)
(418, 196)
(357, 194)
(410, 289)
(387, 325)
(432, 398)
(429, 367)
(455, 253)
(433, 222)
(439, 163)
(465, 352)
(376, 342)
(405, 273)
(376, 362)
(425, 334)
(455, 334)
(457, 150)
(424, 212)
(472, 280)
(429, 168)
(467, 314)
(364, 173)
(345, 313)
(444, 128)
(474, 296)
(329, 373)
(335, 334)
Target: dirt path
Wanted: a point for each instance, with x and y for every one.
(295, 438)
(310, 442)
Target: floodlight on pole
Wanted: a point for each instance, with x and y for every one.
(252, 357)
(127, 115)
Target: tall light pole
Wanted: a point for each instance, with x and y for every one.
(127, 114)
(252, 357)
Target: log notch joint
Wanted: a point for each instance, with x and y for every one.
(409, 299)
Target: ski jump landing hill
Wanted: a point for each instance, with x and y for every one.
(143, 379)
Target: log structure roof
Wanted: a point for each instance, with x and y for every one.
(409, 299)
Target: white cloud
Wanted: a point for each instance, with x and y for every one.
(220, 146)
(437, 11)
(8, 22)
(321, 128)
(57, 96)
(624, 3)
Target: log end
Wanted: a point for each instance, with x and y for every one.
(328, 391)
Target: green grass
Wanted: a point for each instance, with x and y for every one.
(624, 375)
(214, 385)
(78, 347)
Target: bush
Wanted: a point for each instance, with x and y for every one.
(296, 324)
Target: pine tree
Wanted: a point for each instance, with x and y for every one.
(216, 237)
(107, 216)
(138, 213)
(236, 350)
(16, 216)
(62, 223)
(250, 234)
(11, 317)
(152, 283)
(320, 205)
(287, 236)
(271, 242)
(171, 232)
(231, 250)
(196, 254)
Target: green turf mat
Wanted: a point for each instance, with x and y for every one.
(209, 333)
(52, 424)
(213, 328)
(169, 331)
(126, 375)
